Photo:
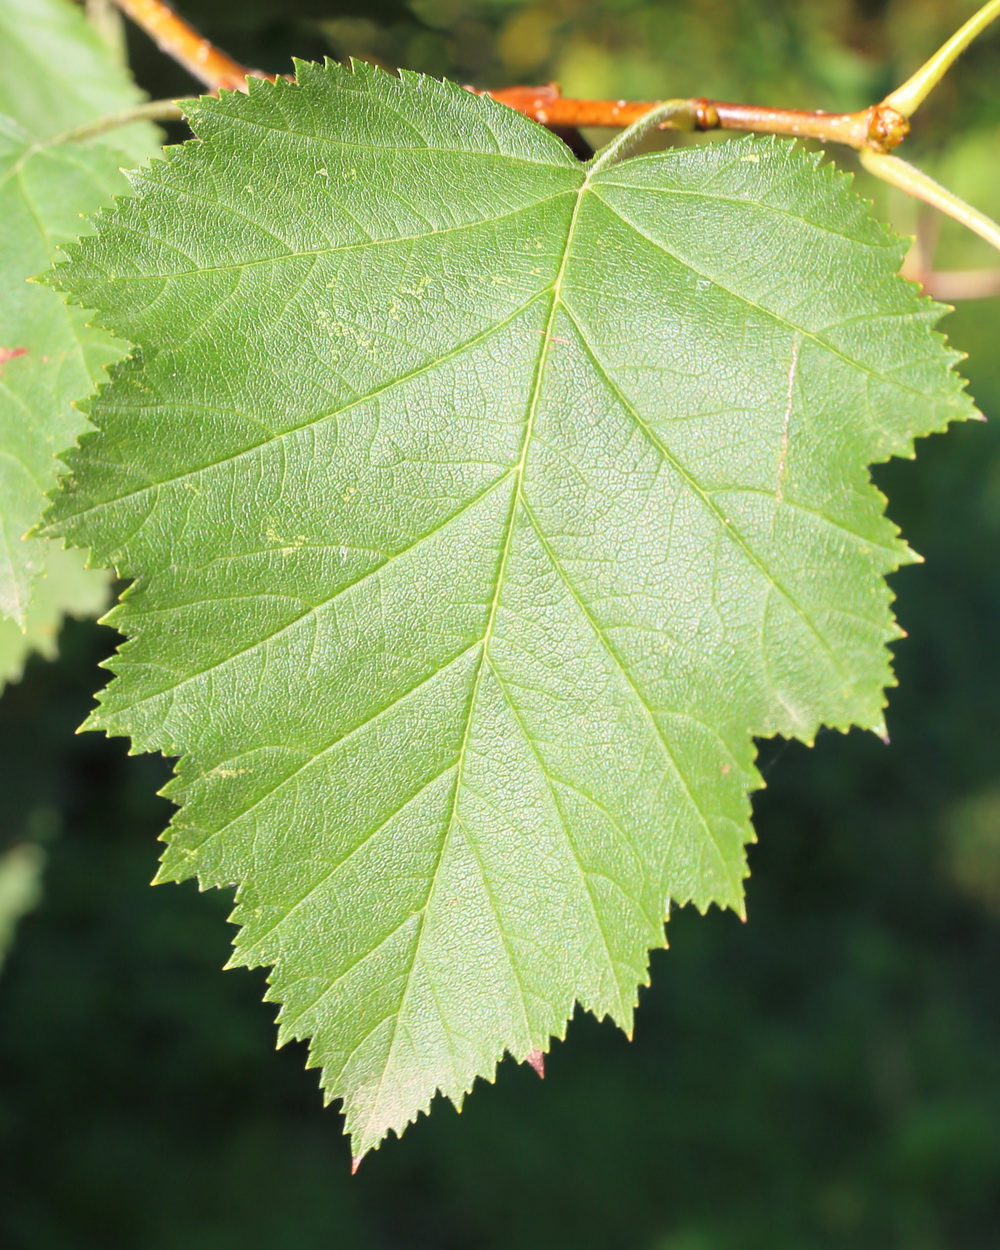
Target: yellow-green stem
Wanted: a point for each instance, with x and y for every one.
(921, 186)
(908, 98)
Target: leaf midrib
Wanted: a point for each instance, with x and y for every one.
(516, 500)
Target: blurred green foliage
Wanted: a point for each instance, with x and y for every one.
(825, 1076)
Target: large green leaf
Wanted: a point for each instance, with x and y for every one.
(483, 506)
(54, 74)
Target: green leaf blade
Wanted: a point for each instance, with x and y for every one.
(482, 510)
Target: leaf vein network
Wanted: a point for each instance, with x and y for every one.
(517, 499)
(312, 609)
(812, 335)
(692, 483)
(427, 366)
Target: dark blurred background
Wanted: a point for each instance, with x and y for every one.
(826, 1075)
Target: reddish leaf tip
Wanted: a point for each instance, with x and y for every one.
(537, 1060)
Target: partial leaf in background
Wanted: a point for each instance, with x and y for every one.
(483, 507)
(20, 887)
(66, 588)
(54, 75)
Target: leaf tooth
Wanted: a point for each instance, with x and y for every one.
(536, 1060)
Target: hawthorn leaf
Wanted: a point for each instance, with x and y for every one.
(482, 506)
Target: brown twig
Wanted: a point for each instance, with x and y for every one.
(879, 127)
(874, 132)
(182, 43)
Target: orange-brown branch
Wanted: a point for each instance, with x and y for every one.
(182, 43)
(880, 128)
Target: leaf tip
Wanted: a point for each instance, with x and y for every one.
(536, 1058)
